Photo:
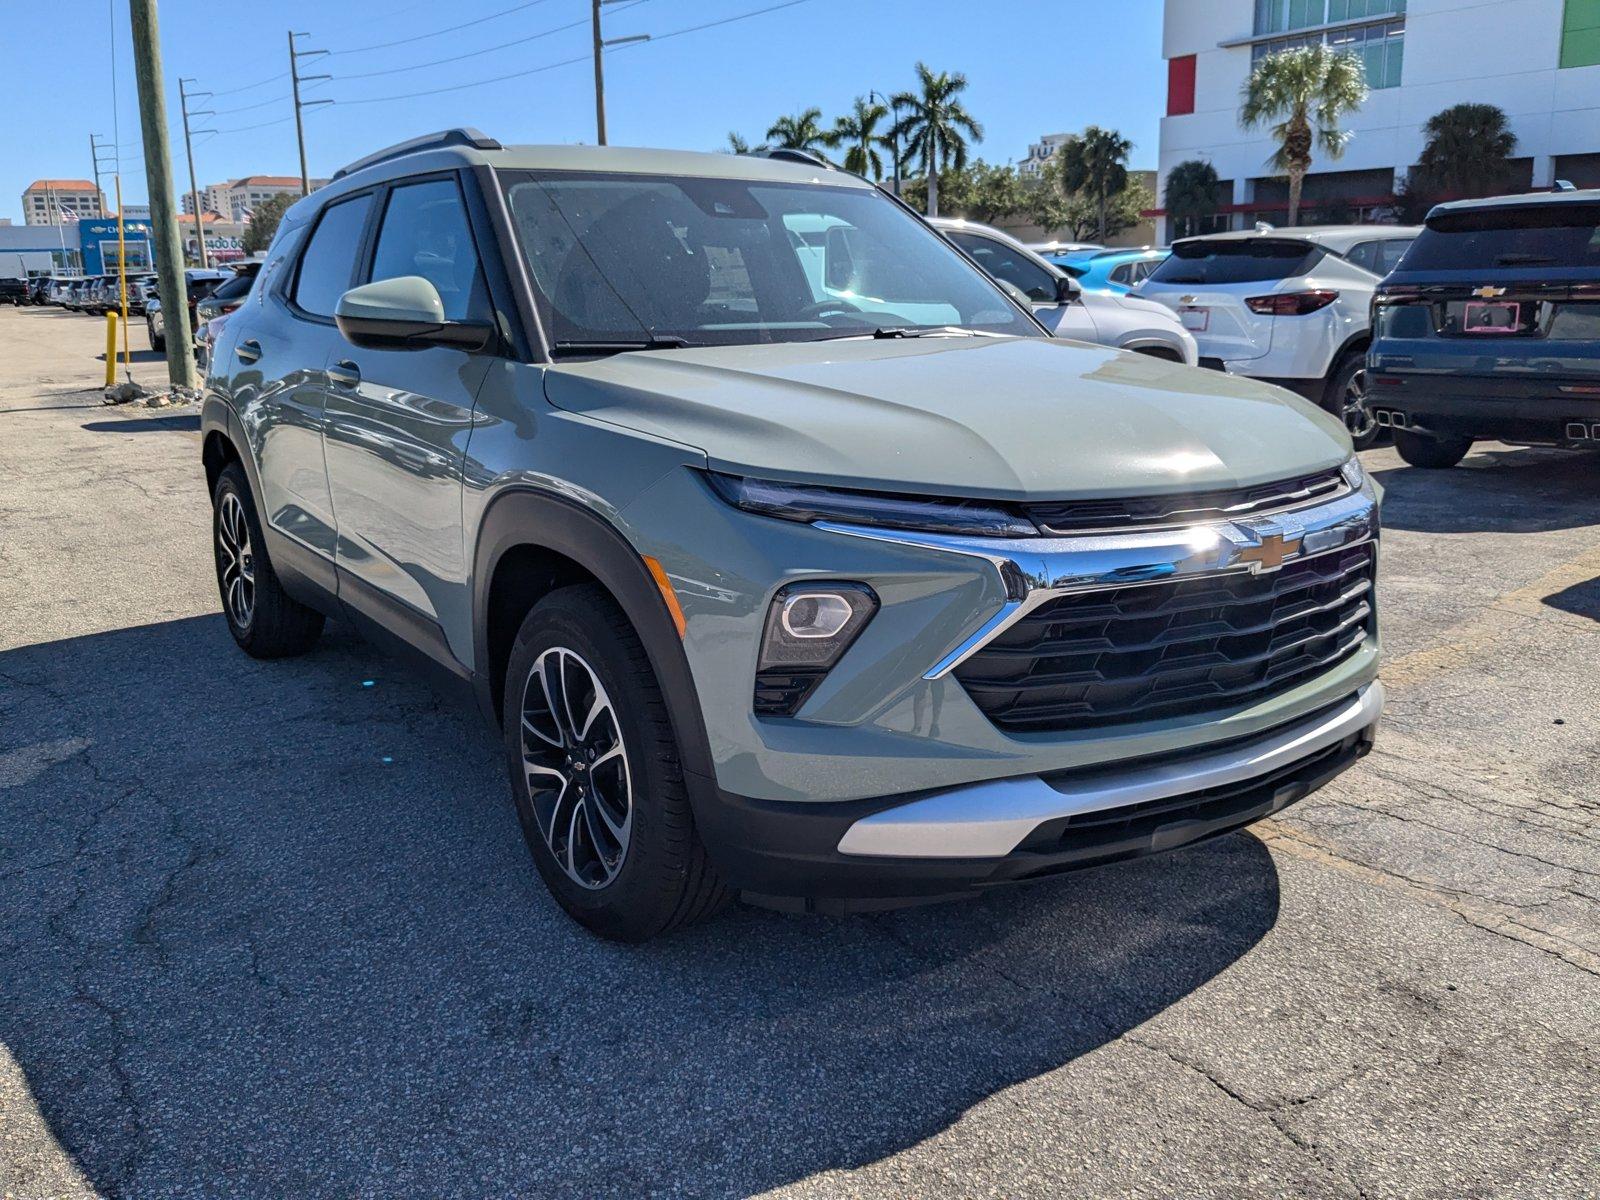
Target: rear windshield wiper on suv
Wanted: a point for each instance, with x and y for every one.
(1524, 260)
(617, 346)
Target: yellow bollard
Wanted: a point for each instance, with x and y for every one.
(111, 349)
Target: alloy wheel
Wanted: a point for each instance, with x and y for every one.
(1358, 418)
(236, 560)
(576, 767)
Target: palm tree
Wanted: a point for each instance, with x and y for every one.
(1467, 149)
(804, 132)
(1191, 194)
(1305, 92)
(737, 144)
(933, 126)
(858, 132)
(1095, 164)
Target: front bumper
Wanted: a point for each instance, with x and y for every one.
(912, 849)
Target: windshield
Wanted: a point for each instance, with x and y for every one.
(1248, 260)
(620, 258)
(1566, 235)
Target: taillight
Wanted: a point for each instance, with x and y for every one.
(1290, 304)
(228, 308)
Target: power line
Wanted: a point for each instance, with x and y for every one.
(435, 33)
(247, 128)
(248, 107)
(661, 37)
(473, 53)
(245, 87)
(566, 62)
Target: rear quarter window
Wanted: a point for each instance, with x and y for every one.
(1255, 260)
(1552, 235)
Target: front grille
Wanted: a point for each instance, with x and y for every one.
(1172, 649)
(1143, 512)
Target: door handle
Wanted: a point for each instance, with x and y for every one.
(248, 351)
(345, 374)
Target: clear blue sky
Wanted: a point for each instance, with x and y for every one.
(1035, 67)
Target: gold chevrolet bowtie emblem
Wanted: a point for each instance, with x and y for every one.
(1489, 293)
(1274, 550)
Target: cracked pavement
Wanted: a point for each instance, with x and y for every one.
(242, 954)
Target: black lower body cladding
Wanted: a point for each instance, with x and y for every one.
(1537, 411)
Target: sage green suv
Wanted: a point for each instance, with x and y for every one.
(790, 555)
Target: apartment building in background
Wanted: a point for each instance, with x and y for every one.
(1539, 60)
(53, 201)
(237, 198)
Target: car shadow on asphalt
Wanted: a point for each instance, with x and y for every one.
(269, 928)
(1496, 490)
(179, 423)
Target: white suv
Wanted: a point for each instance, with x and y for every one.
(1290, 306)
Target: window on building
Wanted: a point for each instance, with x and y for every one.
(1381, 49)
(1285, 16)
(1580, 34)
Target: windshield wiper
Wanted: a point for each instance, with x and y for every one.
(885, 332)
(621, 344)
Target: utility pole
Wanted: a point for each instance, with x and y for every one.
(600, 45)
(94, 153)
(194, 189)
(167, 248)
(296, 80)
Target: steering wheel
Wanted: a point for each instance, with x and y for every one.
(812, 311)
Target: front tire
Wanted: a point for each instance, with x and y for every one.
(1346, 398)
(596, 774)
(264, 619)
(1432, 453)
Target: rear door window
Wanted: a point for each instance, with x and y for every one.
(328, 266)
(1252, 260)
(1549, 235)
(1379, 256)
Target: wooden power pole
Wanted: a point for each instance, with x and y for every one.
(599, 80)
(168, 245)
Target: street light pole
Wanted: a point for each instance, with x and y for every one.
(194, 190)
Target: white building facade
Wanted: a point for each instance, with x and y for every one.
(237, 198)
(1538, 60)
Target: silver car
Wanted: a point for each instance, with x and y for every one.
(1064, 308)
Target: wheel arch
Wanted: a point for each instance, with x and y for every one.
(532, 541)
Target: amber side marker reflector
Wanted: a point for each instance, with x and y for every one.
(659, 574)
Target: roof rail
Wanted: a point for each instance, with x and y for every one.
(463, 136)
(788, 154)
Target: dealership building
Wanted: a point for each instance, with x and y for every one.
(1538, 60)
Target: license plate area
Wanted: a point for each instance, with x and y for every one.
(1195, 320)
(1489, 318)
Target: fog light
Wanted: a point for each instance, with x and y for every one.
(809, 627)
(815, 614)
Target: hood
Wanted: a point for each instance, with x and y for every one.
(1000, 418)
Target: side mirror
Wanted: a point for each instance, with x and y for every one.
(405, 313)
(1067, 290)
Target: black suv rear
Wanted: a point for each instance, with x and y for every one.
(1490, 328)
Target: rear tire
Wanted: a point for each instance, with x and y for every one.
(1421, 450)
(596, 774)
(264, 619)
(1346, 398)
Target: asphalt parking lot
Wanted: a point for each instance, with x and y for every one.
(270, 929)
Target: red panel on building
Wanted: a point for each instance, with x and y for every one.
(1180, 86)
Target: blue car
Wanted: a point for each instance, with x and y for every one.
(1118, 271)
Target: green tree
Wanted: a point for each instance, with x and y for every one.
(857, 131)
(1191, 195)
(802, 132)
(1467, 151)
(1302, 94)
(737, 144)
(979, 192)
(1094, 164)
(264, 220)
(1078, 215)
(935, 128)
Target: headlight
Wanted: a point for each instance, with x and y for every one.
(807, 503)
(1353, 473)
